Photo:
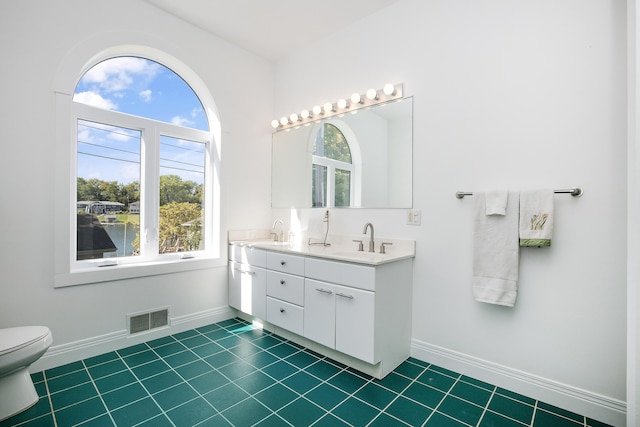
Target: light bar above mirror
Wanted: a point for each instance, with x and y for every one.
(357, 101)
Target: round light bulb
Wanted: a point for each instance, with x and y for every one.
(372, 94)
(389, 89)
(294, 117)
(275, 124)
(328, 107)
(317, 110)
(284, 121)
(356, 98)
(305, 114)
(343, 103)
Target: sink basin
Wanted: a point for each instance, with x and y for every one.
(367, 256)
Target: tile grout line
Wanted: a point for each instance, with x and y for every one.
(142, 385)
(184, 380)
(229, 380)
(46, 385)
(258, 369)
(279, 381)
(533, 416)
(95, 387)
(413, 380)
(299, 369)
(349, 395)
(584, 418)
(322, 381)
(486, 407)
(448, 393)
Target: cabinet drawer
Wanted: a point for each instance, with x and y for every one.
(286, 315)
(285, 287)
(248, 255)
(342, 273)
(285, 263)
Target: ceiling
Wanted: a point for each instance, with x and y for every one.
(271, 28)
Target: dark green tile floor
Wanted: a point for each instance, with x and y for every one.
(231, 373)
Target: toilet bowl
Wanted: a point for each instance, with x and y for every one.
(19, 348)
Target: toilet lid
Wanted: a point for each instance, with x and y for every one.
(12, 339)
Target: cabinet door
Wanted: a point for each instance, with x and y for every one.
(355, 323)
(248, 289)
(319, 312)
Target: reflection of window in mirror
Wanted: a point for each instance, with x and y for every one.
(332, 168)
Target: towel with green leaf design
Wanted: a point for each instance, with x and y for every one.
(536, 217)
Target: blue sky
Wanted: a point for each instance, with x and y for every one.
(144, 88)
(141, 87)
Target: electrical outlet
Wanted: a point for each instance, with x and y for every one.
(414, 217)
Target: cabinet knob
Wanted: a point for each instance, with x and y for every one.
(282, 310)
(281, 281)
(282, 263)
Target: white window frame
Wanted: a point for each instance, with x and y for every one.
(68, 271)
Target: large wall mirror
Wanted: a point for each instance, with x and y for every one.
(362, 159)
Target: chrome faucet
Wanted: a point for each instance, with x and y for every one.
(275, 236)
(372, 243)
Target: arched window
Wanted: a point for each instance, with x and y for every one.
(332, 168)
(144, 165)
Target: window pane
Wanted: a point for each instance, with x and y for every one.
(141, 87)
(318, 186)
(108, 184)
(332, 144)
(343, 188)
(182, 177)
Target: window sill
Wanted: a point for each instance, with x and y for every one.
(131, 271)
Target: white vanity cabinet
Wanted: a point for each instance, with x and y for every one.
(248, 280)
(360, 310)
(285, 291)
(358, 313)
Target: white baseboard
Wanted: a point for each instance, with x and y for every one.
(593, 405)
(61, 354)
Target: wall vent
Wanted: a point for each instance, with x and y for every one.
(145, 321)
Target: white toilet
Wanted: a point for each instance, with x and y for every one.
(19, 348)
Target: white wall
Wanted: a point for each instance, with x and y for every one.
(37, 42)
(521, 95)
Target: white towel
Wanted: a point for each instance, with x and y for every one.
(496, 202)
(495, 252)
(536, 217)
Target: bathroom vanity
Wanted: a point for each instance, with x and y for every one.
(350, 305)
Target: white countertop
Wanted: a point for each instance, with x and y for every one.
(340, 249)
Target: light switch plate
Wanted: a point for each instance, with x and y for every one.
(414, 216)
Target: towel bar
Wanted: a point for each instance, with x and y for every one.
(575, 192)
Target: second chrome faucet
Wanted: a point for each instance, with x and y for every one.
(372, 243)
